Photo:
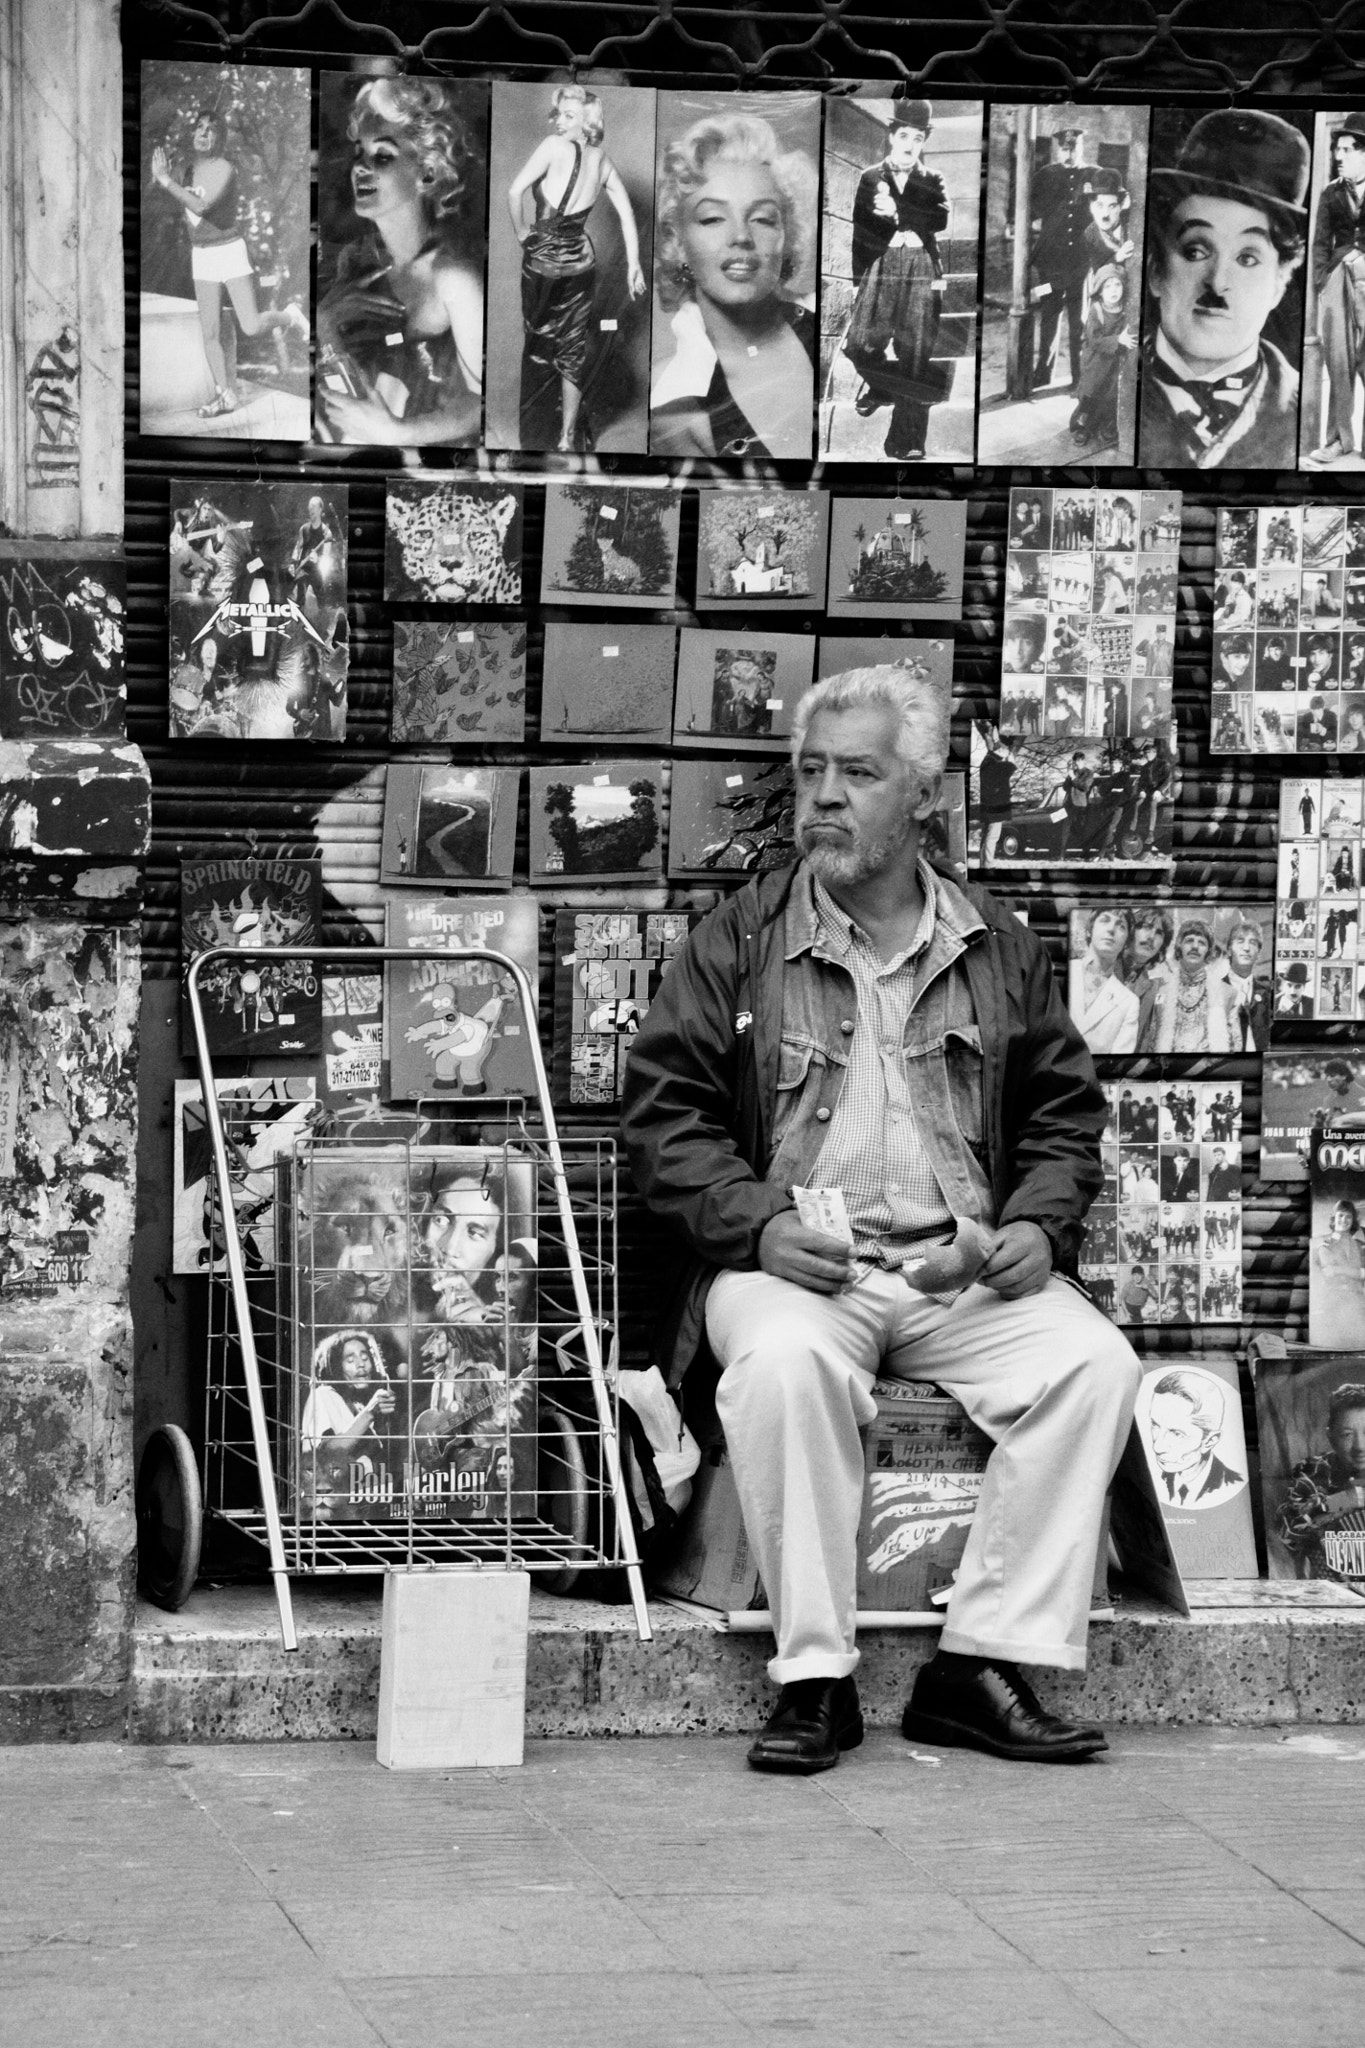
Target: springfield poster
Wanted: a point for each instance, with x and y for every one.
(263, 1006)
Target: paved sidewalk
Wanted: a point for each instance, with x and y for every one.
(1197, 1887)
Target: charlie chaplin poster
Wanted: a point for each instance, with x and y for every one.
(224, 296)
(736, 222)
(402, 239)
(570, 256)
(1065, 197)
(899, 277)
(1223, 326)
(1318, 888)
(1331, 434)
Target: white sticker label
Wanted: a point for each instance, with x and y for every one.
(567, 959)
(752, 349)
(464, 638)
(608, 511)
(608, 326)
(601, 781)
(774, 704)
(393, 340)
(901, 518)
(334, 381)
(766, 512)
(733, 781)
(254, 564)
(610, 653)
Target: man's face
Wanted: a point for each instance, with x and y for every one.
(1104, 211)
(460, 1230)
(1350, 158)
(1244, 949)
(1194, 949)
(1178, 1443)
(1219, 280)
(907, 146)
(857, 802)
(1347, 1438)
(1068, 149)
(1236, 661)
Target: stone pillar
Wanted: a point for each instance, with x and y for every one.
(74, 829)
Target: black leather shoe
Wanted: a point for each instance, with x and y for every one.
(993, 1708)
(869, 401)
(813, 1720)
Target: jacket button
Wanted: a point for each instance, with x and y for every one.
(846, 1026)
(822, 1116)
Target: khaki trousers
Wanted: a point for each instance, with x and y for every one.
(1048, 1378)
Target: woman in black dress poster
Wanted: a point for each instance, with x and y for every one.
(563, 179)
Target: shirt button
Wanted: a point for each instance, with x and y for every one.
(822, 1116)
(847, 1026)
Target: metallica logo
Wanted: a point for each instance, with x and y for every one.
(259, 620)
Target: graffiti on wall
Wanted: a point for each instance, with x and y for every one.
(52, 393)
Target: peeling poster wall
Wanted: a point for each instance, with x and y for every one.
(68, 1072)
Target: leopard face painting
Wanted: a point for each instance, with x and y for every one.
(453, 544)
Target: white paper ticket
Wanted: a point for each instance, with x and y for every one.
(825, 1210)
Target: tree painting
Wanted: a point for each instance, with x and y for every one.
(738, 525)
(600, 845)
(622, 543)
(753, 829)
(892, 566)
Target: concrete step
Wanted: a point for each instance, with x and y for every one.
(215, 1672)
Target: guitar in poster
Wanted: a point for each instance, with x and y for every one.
(263, 1006)
(457, 1027)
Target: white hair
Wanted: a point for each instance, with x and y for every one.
(922, 706)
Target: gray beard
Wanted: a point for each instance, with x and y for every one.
(847, 865)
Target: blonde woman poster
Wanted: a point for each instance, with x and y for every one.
(402, 237)
(737, 197)
(570, 253)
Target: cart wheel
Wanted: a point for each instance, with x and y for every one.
(563, 1491)
(170, 1518)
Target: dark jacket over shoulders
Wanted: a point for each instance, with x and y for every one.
(701, 1083)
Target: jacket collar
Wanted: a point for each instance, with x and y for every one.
(953, 917)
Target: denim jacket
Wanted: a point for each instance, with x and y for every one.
(941, 1049)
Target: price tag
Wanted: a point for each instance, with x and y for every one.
(607, 326)
(334, 381)
(752, 350)
(734, 781)
(610, 653)
(567, 959)
(901, 518)
(774, 704)
(601, 781)
(254, 564)
(766, 512)
(393, 340)
(464, 638)
(608, 511)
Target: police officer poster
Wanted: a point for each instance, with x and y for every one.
(1223, 328)
(1330, 423)
(902, 221)
(1065, 196)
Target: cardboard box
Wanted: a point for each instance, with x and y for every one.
(713, 1563)
(925, 1462)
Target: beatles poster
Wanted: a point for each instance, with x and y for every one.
(599, 819)
(62, 609)
(258, 635)
(901, 220)
(1223, 320)
(1330, 425)
(1163, 1240)
(459, 682)
(402, 239)
(1318, 962)
(607, 682)
(1171, 977)
(608, 966)
(1289, 630)
(224, 295)
(1091, 584)
(1071, 803)
(570, 267)
(736, 224)
(1066, 192)
(459, 1027)
(737, 691)
(264, 1006)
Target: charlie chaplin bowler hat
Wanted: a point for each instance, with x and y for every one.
(1354, 124)
(912, 114)
(1236, 153)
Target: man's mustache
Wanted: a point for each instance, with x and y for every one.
(1211, 301)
